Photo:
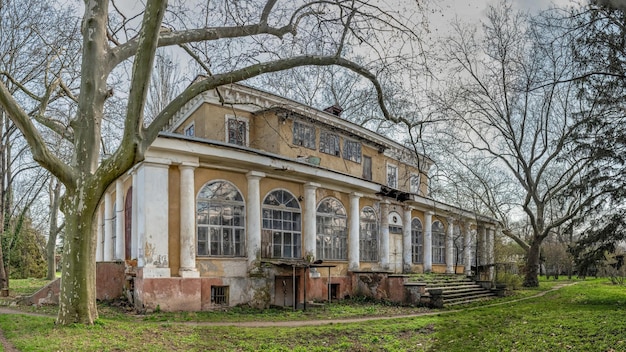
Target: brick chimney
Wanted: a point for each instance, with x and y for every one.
(335, 110)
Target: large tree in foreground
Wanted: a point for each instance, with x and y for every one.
(516, 129)
(234, 41)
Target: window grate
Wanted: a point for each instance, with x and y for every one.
(219, 295)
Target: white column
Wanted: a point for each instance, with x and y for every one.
(407, 245)
(450, 247)
(152, 218)
(428, 241)
(187, 221)
(253, 218)
(354, 232)
(119, 224)
(108, 227)
(99, 245)
(467, 248)
(384, 235)
(310, 220)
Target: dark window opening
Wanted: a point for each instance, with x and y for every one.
(334, 291)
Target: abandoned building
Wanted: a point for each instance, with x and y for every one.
(267, 201)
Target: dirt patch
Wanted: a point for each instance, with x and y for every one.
(6, 345)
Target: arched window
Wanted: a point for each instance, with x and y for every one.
(332, 230)
(458, 246)
(417, 240)
(439, 243)
(282, 226)
(221, 220)
(368, 237)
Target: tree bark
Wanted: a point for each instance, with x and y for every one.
(77, 301)
(532, 265)
(55, 195)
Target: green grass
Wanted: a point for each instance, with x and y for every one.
(336, 310)
(26, 286)
(587, 316)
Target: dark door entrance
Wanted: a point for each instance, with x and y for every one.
(284, 290)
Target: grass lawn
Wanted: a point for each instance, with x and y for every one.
(587, 316)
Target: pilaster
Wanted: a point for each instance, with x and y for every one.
(253, 217)
(354, 232)
(187, 221)
(310, 219)
(152, 218)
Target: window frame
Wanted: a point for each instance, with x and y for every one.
(327, 231)
(417, 241)
(240, 120)
(291, 226)
(302, 133)
(438, 243)
(414, 183)
(369, 247)
(330, 143)
(190, 127)
(394, 167)
(215, 225)
(352, 150)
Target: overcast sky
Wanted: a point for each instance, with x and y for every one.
(473, 11)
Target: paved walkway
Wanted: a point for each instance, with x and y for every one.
(8, 347)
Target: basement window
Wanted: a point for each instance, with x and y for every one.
(219, 295)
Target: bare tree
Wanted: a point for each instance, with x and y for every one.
(239, 40)
(512, 120)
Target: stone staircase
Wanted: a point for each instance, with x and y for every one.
(456, 289)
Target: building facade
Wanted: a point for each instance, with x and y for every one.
(268, 201)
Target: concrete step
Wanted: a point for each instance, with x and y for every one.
(452, 295)
(467, 300)
(455, 288)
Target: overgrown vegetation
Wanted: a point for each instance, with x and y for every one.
(581, 317)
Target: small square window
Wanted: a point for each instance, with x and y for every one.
(237, 130)
(219, 295)
(190, 130)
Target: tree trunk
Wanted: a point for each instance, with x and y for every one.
(77, 299)
(4, 278)
(532, 265)
(55, 194)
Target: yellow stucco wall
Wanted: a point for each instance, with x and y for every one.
(271, 133)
